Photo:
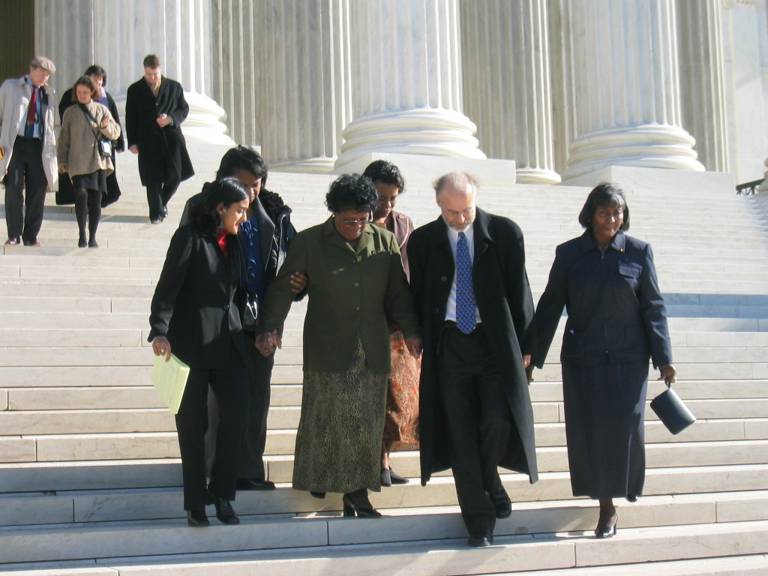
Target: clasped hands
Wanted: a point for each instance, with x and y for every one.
(268, 342)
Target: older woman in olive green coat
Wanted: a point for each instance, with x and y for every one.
(356, 289)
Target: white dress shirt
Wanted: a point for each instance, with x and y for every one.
(453, 239)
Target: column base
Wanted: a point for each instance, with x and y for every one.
(537, 176)
(205, 120)
(319, 165)
(646, 146)
(426, 131)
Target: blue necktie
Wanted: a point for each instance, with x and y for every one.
(465, 294)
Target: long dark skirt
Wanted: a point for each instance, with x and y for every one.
(605, 427)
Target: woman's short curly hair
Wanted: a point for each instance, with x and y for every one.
(352, 192)
(604, 194)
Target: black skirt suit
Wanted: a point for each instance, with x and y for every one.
(616, 322)
(195, 306)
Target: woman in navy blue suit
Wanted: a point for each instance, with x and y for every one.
(616, 321)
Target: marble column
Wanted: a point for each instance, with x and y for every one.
(117, 36)
(283, 77)
(505, 54)
(702, 79)
(406, 81)
(623, 86)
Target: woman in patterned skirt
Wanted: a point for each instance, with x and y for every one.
(401, 424)
(356, 289)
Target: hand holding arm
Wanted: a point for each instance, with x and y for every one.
(298, 282)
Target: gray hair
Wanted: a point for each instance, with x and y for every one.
(456, 180)
(44, 63)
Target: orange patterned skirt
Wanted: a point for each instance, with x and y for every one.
(401, 425)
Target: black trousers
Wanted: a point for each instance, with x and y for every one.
(229, 387)
(24, 216)
(255, 436)
(159, 194)
(479, 423)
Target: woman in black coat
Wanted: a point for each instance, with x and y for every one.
(66, 193)
(196, 317)
(616, 322)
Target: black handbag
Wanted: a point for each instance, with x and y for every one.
(672, 411)
(103, 146)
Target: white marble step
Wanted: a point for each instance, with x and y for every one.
(747, 483)
(84, 475)
(24, 423)
(143, 445)
(123, 420)
(324, 539)
(183, 565)
(288, 369)
(142, 395)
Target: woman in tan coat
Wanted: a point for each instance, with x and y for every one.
(82, 126)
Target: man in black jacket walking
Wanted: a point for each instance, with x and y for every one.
(471, 292)
(154, 110)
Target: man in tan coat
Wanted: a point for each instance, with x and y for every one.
(27, 149)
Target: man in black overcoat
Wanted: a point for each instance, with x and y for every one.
(472, 295)
(154, 110)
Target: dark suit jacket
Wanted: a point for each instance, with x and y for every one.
(195, 304)
(506, 307)
(615, 308)
(162, 151)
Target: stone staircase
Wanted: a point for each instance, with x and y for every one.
(89, 470)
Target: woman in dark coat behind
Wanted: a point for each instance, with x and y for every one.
(195, 315)
(616, 322)
(66, 193)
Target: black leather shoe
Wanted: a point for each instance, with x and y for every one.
(248, 484)
(386, 477)
(357, 504)
(503, 509)
(318, 495)
(631, 498)
(225, 513)
(197, 518)
(480, 541)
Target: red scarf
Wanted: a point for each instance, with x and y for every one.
(221, 240)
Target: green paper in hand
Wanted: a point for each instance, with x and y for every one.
(170, 379)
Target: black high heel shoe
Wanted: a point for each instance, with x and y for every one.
(606, 528)
(357, 504)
